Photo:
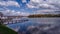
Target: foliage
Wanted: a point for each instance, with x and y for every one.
(44, 15)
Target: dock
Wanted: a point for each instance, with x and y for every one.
(14, 22)
(6, 21)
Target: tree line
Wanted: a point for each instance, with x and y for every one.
(44, 15)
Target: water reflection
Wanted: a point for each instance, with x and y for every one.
(38, 26)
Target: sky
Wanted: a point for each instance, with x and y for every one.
(27, 7)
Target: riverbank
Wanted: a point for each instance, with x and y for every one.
(43, 15)
(6, 30)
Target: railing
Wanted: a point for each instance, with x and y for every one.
(14, 22)
(9, 20)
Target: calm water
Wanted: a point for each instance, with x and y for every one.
(34, 22)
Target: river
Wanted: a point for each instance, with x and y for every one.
(34, 22)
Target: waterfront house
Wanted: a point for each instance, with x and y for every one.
(1, 14)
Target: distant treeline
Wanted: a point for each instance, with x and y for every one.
(44, 15)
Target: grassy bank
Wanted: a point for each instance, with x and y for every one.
(6, 30)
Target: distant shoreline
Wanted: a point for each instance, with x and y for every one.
(43, 15)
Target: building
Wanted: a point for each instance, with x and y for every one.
(1, 14)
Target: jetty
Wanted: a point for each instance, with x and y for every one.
(11, 19)
(14, 21)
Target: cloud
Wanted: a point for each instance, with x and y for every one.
(7, 0)
(44, 6)
(31, 6)
(47, 11)
(24, 1)
(9, 12)
(9, 3)
(48, 4)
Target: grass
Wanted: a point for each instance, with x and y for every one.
(6, 30)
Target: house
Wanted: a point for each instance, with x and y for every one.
(1, 14)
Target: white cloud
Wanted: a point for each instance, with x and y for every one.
(36, 1)
(45, 7)
(7, 0)
(14, 13)
(31, 6)
(46, 1)
(43, 4)
(46, 11)
(9, 3)
(48, 6)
